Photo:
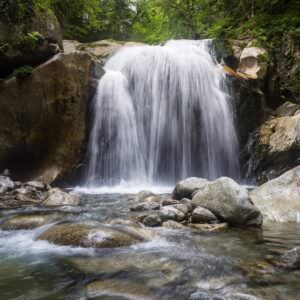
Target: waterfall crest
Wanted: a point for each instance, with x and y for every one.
(162, 113)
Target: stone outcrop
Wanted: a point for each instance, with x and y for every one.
(279, 199)
(43, 118)
(276, 147)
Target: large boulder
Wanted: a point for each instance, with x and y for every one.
(229, 202)
(186, 187)
(287, 109)
(43, 123)
(30, 40)
(279, 199)
(276, 147)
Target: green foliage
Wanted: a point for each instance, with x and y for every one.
(29, 42)
(16, 10)
(23, 72)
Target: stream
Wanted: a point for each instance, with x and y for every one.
(173, 265)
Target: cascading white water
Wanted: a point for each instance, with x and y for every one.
(162, 114)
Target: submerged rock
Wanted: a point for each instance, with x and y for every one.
(30, 221)
(203, 215)
(186, 187)
(88, 236)
(173, 225)
(279, 199)
(229, 201)
(116, 289)
(57, 197)
(209, 227)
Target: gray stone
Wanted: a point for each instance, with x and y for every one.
(57, 197)
(279, 199)
(37, 185)
(169, 201)
(172, 213)
(173, 225)
(291, 259)
(186, 187)
(287, 109)
(203, 215)
(6, 183)
(152, 220)
(142, 195)
(145, 206)
(229, 202)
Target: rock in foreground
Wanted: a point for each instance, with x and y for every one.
(81, 235)
(279, 199)
(229, 202)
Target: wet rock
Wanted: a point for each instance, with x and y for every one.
(152, 220)
(37, 185)
(279, 199)
(209, 227)
(116, 289)
(153, 198)
(24, 190)
(87, 236)
(229, 201)
(169, 201)
(188, 203)
(172, 213)
(186, 187)
(287, 109)
(241, 296)
(30, 221)
(124, 222)
(182, 207)
(173, 225)
(203, 215)
(6, 184)
(140, 197)
(57, 197)
(206, 296)
(291, 259)
(145, 206)
(276, 148)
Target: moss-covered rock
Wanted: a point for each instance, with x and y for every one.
(30, 40)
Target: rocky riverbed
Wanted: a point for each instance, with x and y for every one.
(60, 245)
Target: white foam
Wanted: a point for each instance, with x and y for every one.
(24, 243)
(124, 188)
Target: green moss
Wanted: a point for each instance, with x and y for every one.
(29, 42)
(23, 72)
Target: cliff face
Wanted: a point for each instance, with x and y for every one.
(43, 117)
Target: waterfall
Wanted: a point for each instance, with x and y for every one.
(162, 113)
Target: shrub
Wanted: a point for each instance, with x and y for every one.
(23, 72)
